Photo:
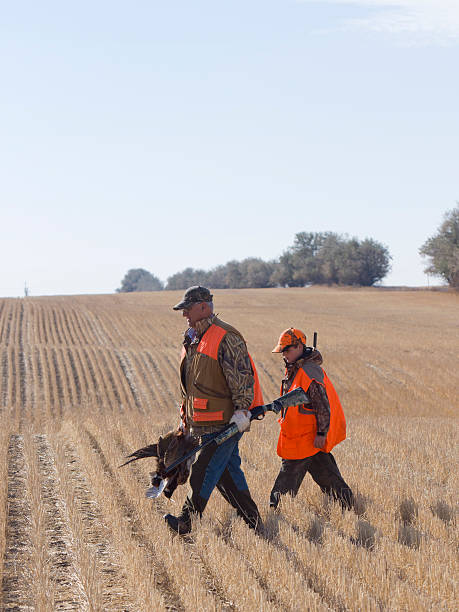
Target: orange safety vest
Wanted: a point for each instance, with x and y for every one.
(207, 398)
(299, 426)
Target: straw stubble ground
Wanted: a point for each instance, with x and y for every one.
(85, 380)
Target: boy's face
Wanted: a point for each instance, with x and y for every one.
(292, 353)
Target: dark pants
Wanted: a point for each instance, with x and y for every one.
(220, 466)
(324, 471)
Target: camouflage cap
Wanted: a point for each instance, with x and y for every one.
(289, 337)
(194, 295)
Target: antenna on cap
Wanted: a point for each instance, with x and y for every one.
(314, 342)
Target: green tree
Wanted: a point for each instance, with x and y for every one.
(306, 263)
(187, 278)
(233, 276)
(283, 271)
(255, 272)
(373, 262)
(138, 279)
(442, 249)
(328, 258)
(216, 278)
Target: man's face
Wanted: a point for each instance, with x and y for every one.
(292, 353)
(194, 313)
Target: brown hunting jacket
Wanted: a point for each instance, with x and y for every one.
(235, 365)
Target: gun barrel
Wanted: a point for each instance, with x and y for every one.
(292, 398)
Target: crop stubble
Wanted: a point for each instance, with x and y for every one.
(84, 380)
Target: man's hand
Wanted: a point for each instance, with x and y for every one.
(182, 427)
(242, 420)
(319, 440)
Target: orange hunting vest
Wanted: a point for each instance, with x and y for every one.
(205, 392)
(299, 426)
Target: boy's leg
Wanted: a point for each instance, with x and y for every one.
(326, 474)
(289, 479)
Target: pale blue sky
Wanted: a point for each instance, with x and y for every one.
(187, 133)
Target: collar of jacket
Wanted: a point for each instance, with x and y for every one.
(309, 354)
(194, 334)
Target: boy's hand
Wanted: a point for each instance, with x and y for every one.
(319, 440)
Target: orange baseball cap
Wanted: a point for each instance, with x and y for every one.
(289, 337)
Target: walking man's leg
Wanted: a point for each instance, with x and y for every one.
(206, 471)
(233, 486)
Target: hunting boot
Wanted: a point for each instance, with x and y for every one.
(179, 524)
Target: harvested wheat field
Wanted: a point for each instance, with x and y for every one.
(85, 380)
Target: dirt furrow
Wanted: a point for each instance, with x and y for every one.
(50, 328)
(102, 327)
(49, 387)
(83, 332)
(59, 386)
(199, 556)
(93, 534)
(69, 591)
(212, 583)
(8, 324)
(146, 383)
(57, 330)
(16, 581)
(159, 380)
(13, 382)
(42, 325)
(64, 328)
(162, 579)
(98, 337)
(88, 369)
(4, 365)
(23, 386)
(87, 387)
(69, 324)
(155, 395)
(38, 391)
(66, 374)
(112, 373)
(103, 388)
(21, 365)
(2, 309)
(129, 374)
(74, 374)
(123, 389)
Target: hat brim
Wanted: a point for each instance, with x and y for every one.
(180, 306)
(277, 349)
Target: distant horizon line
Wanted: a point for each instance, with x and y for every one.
(443, 287)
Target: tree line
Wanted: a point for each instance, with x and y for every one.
(314, 258)
(319, 258)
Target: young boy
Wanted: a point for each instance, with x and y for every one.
(309, 431)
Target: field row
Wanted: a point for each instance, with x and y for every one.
(84, 536)
(86, 380)
(51, 380)
(55, 322)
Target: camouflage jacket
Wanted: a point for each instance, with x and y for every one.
(316, 391)
(235, 363)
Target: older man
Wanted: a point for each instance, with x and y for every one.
(219, 385)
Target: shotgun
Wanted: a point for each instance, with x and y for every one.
(292, 398)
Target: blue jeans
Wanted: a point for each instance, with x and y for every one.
(220, 466)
